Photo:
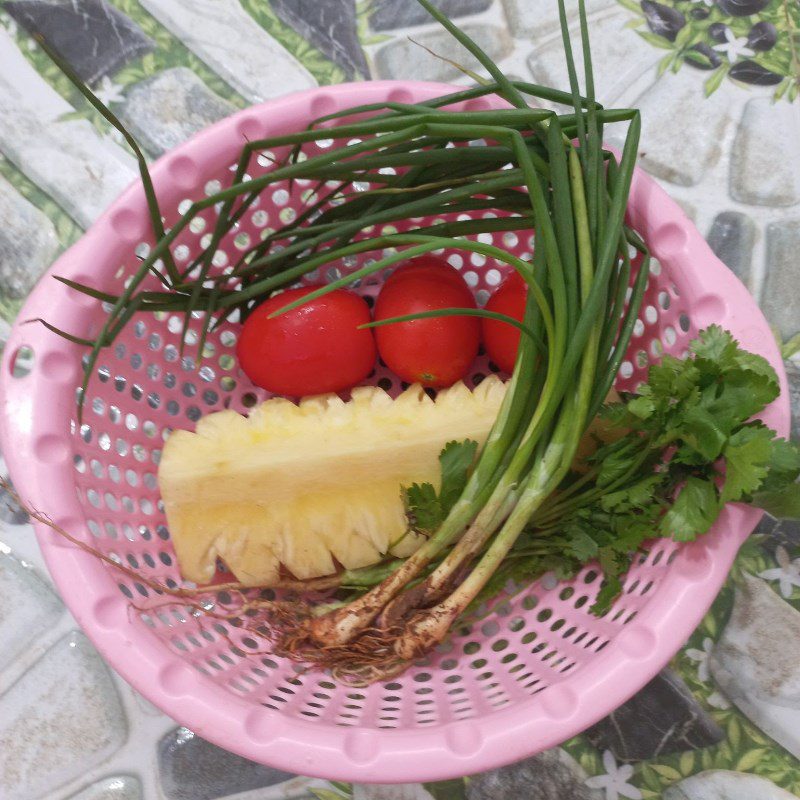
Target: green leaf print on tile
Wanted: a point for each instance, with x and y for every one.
(324, 71)
(169, 52)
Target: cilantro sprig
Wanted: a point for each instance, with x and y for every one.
(689, 446)
(426, 508)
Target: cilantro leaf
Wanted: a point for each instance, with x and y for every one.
(642, 407)
(423, 508)
(671, 381)
(616, 415)
(694, 511)
(740, 393)
(747, 457)
(613, 565)
(635, 496)
(716, 345)
(446, 790)
(704, 431)
(580, 545)
(426, 508)
(455, 460)
(784, 465)
(612, 587)
(783, 502)
(614, 459)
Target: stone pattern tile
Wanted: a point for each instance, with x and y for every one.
(662, 718)
(732, 238)
(93, 37)
(119, 787)
(28, 243)
(28, 608)
(406, 59)
(765, 154)
(69, 159)
(552, 775)
(720, 784)
(400, 791)
(781, 300)
(167, 109)
(623, 54)
(193, 769)
(537, 19)
(756, 663)
(793, 374)
(390, 14)
(331, 26)
(256, 66)
(703, 121)
(60, 719)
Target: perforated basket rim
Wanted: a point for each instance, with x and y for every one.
(34, 426)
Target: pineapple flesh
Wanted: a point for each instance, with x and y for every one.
(311, 486)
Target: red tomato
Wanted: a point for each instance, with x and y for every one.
(430, 267)
(315, 348)
(437, 351)
(500, 339)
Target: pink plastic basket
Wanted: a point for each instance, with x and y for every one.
(528, 673)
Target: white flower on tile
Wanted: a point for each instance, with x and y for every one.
(734, 46)
(615, 782)
(718, 700)
(787, 573)
(701, 658)
(109, 92)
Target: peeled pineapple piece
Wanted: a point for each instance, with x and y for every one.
(311, 485)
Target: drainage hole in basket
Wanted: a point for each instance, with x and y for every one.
(516, 624)
(148, 560)
(22, 362)
(530, 602)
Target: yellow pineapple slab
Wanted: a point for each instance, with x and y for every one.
(306, 486)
